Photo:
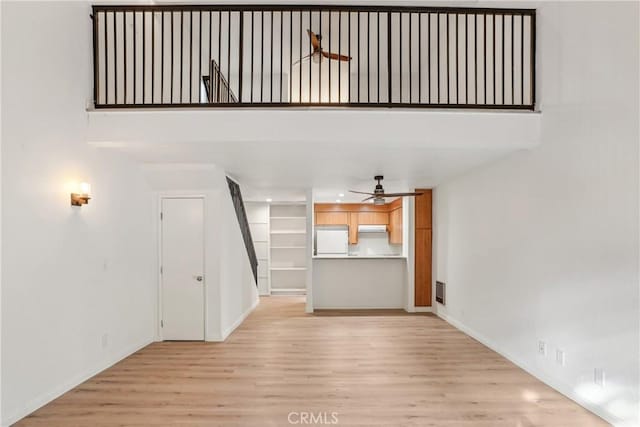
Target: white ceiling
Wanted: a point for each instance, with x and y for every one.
(284, 171)
(282, 154)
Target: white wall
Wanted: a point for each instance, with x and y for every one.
(230, 288)
(77, 283)
(543, 245)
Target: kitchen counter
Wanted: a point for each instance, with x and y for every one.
(359, 257)
(352, 282)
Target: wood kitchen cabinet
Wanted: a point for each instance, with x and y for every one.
(355, 214)
(353, 228)
(373, 218)
(423, 248)
(332, 218)
(395, 226)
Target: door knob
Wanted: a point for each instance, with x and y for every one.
(199, 278)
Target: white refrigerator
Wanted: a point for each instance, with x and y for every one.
(332, 240)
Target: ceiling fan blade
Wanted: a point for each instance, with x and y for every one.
(401, 194)
(368, 198)
(336, 56)
(362, 192)
(304, 58)
(315, 42)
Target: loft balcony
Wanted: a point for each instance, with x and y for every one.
(222, 56)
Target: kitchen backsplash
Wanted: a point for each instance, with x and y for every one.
(374, 244)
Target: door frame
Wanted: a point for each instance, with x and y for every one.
(161, 197)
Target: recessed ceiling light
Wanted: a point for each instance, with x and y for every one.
(269, 200)
(338, 200)
(341, 195)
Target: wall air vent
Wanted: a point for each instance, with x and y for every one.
(440, 291)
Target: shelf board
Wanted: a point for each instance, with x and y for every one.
(288, 217)
(288, 247)
(288, 268)
(288, 232)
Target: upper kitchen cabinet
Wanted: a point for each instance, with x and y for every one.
(423, 209)
(373, 218)
(332, 218)
(395, 222)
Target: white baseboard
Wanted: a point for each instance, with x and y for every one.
(559, 386)
(423, 310)
(239, 320)
(47, 397)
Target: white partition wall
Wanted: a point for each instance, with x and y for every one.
(288, 254)
(258, 217)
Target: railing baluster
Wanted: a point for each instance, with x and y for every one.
(532, 65)
(290, 57)
(172, 60)
(219, 64)
(484, 52)
(271, 58)
(161, 58)
(320, 60)
(153, 56)
(400, 50)
(359, 74)
(300, 59)
(124, 53)
(438, 57)
(106, 60)
(115, 59)
(229, 56)
(241, 56)
(389, 60)
(466, 58)
(495, 74)
(349, 54)
(135, 57)
(329, 59)
(181, 55)
(475, 57)
(199, 80)
(252, 25)
(448, 66)
(457, 17)
(310, 60)
(504, 61)
(513, 101)
(96, 68)
(368, 57)
(378, 56)
(281, 54)
(340, 53)
(429, 58)
(522, 59)
(419, 58)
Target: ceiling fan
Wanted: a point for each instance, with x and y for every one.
(379, 195)
(318, 53)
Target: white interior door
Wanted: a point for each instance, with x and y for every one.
(183, 269)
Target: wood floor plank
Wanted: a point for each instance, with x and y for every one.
(371, 369)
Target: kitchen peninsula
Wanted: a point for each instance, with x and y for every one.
(360, 256)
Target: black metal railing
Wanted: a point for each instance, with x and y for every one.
(371, 56)
(243, 222)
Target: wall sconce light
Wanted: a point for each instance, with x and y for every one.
(80, 195)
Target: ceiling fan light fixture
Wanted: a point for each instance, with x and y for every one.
(378, 201)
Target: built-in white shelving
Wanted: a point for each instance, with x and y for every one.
(287, 249)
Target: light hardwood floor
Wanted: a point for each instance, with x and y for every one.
(372, 370)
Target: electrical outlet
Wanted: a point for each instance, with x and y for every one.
(105, 340)
(560, 357)
(542, 348)
(599, 377)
